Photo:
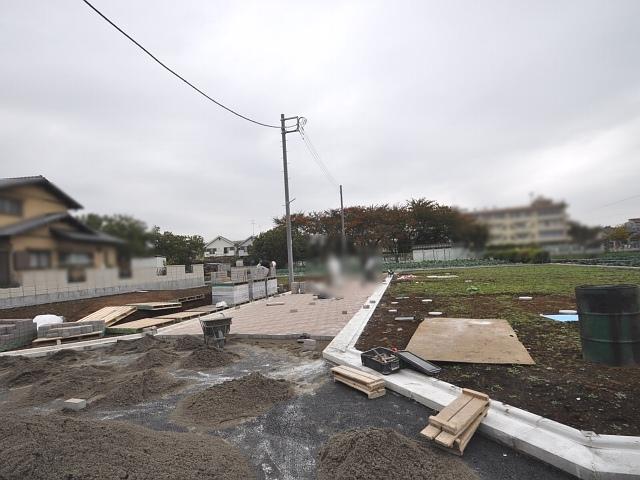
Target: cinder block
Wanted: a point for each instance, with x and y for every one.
(75, 404)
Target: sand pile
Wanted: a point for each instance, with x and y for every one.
(187, 342)
(140, 345)
(232, 401)
(138, 387)
(58, 447)
(155, 358)
(384, 453)
(72, 381)
(208, 357)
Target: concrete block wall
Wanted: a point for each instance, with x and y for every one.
(70, 329)
(47, 286)
(16, 333)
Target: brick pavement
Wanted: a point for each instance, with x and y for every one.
(301, 313)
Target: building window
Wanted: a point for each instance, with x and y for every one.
(39, 259)
(74, 259)
(76, 274)
(10, 206)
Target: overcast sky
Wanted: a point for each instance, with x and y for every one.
(474, 104)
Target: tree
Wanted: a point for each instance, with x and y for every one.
(178, 249)
(125, 227)
(583, 234)
(618, 234)
(272, 245)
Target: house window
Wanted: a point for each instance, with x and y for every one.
(32, 260)
(10, 206)
(76, 274)
(83, 259)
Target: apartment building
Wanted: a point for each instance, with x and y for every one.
(543, 222)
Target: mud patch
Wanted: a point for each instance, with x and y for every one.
(206, 357)
(384, 453)
(233, 401)
(33, 447)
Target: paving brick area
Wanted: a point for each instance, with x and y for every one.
(300, 313)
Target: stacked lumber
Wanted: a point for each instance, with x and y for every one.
(371, 385)
(456, 423)
(109, 315)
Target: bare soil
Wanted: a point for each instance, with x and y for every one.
(207, 357)
(560, 386)
(61, 447)
(73, 310)
(384, 453)
(231, 402)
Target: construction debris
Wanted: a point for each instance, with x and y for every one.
(456, 423)
(74, 404)
(367, 383)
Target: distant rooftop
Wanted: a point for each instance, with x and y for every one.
(39, 180)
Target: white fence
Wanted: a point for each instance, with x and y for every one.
(46, 286)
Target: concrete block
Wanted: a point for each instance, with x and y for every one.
(75, 404)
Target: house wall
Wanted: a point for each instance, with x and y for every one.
(35, 202)
(46, 286)
(104, 255)
(439, 254)
(219, 244)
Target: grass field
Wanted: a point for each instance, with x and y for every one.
(516, 280)
(561, 385)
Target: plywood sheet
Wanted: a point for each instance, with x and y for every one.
(468, 340)
(155, 305)
(110, 315)
(180, 316)
(137, 325)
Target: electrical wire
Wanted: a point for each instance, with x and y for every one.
(316, 156)
(174, 73)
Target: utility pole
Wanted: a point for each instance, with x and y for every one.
(287, 203)
(344, 238)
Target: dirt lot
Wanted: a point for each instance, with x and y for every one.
(288, 410)
(73, 310)
(561, 386)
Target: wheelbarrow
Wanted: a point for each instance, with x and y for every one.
(215, 329)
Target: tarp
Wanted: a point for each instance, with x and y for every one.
(561, 317)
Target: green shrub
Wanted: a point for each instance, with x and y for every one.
(519, 255)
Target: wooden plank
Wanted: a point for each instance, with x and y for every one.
(450, 410)
(465, 416)
(369, 385)
(431, 431)
(350, 370)
(476, 394)
(155, 305)
(181, 315)
(110, 315)
(357, 375)
(204, 309)
(358, 386)
(463, 440)
(137, 325)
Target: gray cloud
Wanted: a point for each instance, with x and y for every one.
(470, 103)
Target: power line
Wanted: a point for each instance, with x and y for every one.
(174, 73)
(617, 202)
(316, 157)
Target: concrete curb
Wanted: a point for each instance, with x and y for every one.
(586, 455)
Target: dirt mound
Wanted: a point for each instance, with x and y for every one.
(208, 357)
(67, 356)
(155, 358)
(233, 401)
(139, 345)
(72, 381)
(57, 447)
(384, 453)
(138, 387)
(187, 342)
